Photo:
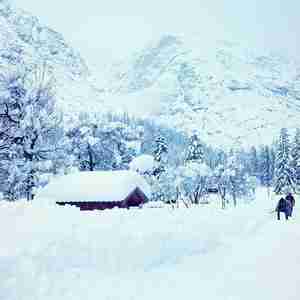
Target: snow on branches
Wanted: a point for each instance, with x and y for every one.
(30, 129)
(284, 173)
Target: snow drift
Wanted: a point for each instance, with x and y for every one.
(50, 252)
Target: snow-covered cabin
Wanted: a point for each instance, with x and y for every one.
(97, 190)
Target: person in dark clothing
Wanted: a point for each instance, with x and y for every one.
(291, 199)
(285, 207)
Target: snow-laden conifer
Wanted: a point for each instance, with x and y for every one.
(295, 153)
(284, 175)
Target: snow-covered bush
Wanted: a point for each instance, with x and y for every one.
(143, 164)
(163, 188)
(154, 204)
(233, 182)
(193, 180)
(222, 180)
(250, 187)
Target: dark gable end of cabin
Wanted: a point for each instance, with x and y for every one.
(134, 199)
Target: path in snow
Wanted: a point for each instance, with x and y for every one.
(200, 253)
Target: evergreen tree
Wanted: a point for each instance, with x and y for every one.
(159, 153)
(295, 153)
(266, 168)
(161, 148)
(272, 161)
(284, 177)
(254, 162)
(126, 155)
(195, 150)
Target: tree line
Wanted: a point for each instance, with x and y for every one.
(35, 145)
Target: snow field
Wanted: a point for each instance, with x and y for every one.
(50, 252)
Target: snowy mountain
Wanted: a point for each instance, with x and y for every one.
(228, 93)
(24, 41)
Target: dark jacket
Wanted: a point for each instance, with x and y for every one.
(291, 199)
(283, 205)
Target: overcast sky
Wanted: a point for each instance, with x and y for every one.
(114, 28)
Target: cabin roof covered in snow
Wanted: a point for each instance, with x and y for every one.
(102, 186)
(142, 163)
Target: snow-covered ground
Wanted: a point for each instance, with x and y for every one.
(206, 253)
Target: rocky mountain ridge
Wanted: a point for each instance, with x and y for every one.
(227, 93)
(26, 43)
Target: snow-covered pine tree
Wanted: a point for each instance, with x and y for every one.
(295, 153)
(272, 161)
(161, 148)
(221, 158)
(262, 158)
(88, 146)
(159, 154)
(265, 166)
(254, 164)
(284, 176)
(30, 129)
(195, 150)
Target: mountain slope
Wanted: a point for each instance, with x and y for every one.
(25, 42)
(226, 92)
